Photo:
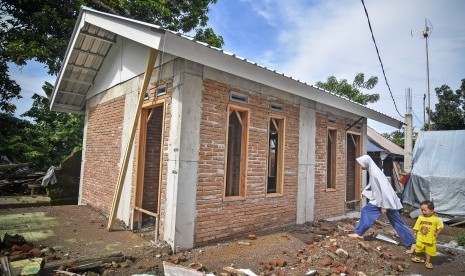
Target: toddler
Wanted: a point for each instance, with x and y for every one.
(426, 230)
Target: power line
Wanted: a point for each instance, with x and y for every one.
(417, 117)
(379, 57)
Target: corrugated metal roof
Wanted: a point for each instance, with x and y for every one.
(85, 59)
(91, 44)
(384, 143)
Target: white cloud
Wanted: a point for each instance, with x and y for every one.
(316, 39)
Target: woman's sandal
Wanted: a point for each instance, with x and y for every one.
(429, 265)
(418, 260)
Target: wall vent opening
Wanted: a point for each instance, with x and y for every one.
(237, 97)
(332, 120)
(161, 90)
(276, 107)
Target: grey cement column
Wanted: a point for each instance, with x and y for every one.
(408, 140)
(183, 156)
(306, 176)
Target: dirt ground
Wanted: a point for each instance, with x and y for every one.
(82, 244)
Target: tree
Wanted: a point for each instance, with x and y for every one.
(209, 36)
(47, 141)
(397, 137)
(449, 112)
(40, 29)
(352, 91)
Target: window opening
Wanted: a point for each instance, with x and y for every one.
(331, 159)
(236, 152)
(275, 155)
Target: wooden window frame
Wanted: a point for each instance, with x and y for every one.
(280, 155)
(331, 173)
(244, 152)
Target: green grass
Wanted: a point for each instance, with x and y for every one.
(461, 238)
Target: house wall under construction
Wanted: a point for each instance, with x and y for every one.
(216, 155)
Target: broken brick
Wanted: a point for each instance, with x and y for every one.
(365, 247)
(252, 236)
(36, 252)
(326, 261)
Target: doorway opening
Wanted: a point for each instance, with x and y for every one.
(353, 173)
(149, 167)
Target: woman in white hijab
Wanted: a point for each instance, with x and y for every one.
(382, 199)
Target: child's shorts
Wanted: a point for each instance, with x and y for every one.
(428, 248)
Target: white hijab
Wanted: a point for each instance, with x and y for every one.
(379, 191)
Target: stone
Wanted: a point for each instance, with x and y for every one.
(27, 267)
(342, 253)
(331, 255)
(281, 263)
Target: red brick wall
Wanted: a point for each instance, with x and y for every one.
(103, 151)
(166, 132)
(217, 218)
(152, 160)
(330, 203)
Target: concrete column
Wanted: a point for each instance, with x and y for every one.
(183, 156)
(306, 174)
(408, 137)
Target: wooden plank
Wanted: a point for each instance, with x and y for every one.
(152, 57)
(142, 210)
(458, 223)
(140, 165)
(12, 166)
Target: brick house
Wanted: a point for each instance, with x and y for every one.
(215, 146)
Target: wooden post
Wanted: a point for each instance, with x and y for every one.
(152, 57)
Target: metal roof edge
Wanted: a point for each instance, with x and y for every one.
(185, 47)
(73, 38)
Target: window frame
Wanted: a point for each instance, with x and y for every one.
(279, 179)
(331, 168)
(245, 120)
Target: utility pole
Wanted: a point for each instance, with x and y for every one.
(426, 33)
(408, 137)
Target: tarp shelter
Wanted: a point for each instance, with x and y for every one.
(438, 172)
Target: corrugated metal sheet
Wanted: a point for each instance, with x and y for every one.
(384, 143)
(86, 58)
(93, 44)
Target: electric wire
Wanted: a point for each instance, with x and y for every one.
(379, 57)
(417, 117)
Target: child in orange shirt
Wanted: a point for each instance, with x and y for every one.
(426, 230)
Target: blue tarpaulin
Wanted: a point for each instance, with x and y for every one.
(438, 172)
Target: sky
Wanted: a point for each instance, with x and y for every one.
(311, 40)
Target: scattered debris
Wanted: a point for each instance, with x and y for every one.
(171, 269)
(386, 239)
(27, 267)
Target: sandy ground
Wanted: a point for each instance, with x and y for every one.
(78, 234)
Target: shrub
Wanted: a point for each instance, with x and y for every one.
(461, 238)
